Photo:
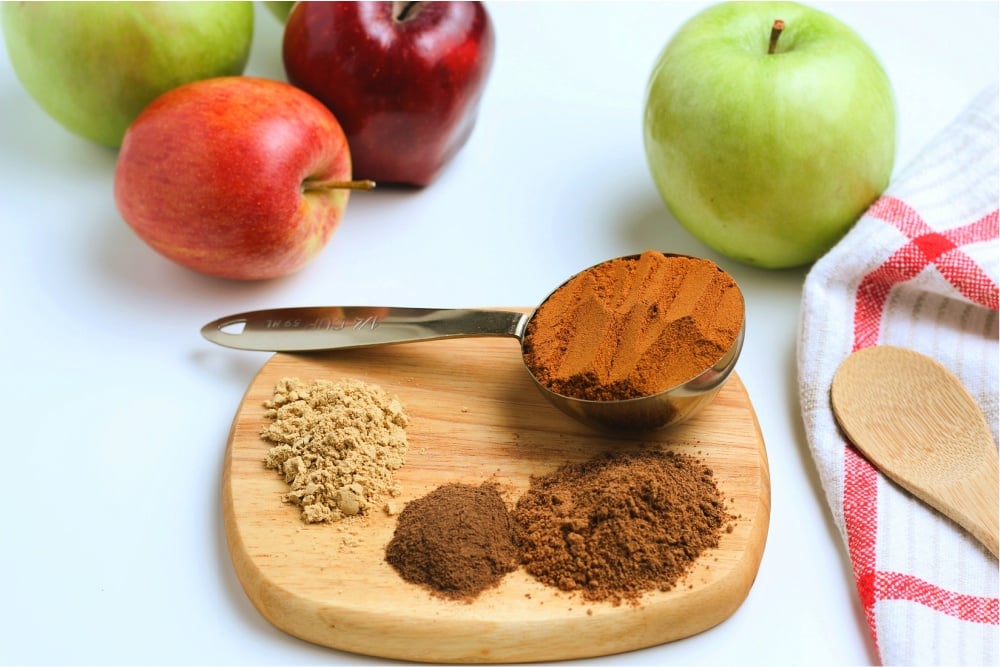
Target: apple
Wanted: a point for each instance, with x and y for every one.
(93, 66)
(237, 177)
(404, 78)
(769, 128)
(279, 8)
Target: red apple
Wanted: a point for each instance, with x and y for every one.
(237, 177)
(404, 78)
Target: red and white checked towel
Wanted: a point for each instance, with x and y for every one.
(918, 270)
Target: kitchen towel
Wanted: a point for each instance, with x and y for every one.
(918, 270)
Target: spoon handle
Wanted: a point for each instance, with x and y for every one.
(340, 327)
(972, 503)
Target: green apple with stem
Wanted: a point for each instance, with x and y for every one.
(769, 128)
(93, 66)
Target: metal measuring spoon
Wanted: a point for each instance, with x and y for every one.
(915, 421)
(311, 329)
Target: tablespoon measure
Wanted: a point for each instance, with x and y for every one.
(313, 329)
(916, 422)
(328, 328)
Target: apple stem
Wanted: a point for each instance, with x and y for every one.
(403, 10)
(776, 29)
(338, 185)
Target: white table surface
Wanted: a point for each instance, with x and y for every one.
(116, 411)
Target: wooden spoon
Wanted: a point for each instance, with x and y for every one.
(916, 422)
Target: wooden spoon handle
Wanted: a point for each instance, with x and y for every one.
(977, 496)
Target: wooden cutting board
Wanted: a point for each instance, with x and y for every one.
(474, 415)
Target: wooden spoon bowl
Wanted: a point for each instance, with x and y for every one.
(916, 422)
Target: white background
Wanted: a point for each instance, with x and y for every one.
(116, 411)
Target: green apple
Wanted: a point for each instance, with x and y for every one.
(768, 141)
(93, 66)
(279, 8)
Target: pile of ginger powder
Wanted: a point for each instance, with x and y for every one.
(337, 444)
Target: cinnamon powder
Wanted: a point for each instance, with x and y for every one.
(457, 541)
(615, 527)
(633, 326)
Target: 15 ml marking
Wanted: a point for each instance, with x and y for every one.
(370, 322)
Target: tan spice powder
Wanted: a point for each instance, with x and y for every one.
(337, 444)
(618, 526)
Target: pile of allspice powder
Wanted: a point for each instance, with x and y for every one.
(618, 526)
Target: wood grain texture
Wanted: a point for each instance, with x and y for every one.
(474, 415)
(914, 420)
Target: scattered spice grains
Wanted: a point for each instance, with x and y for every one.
(458, 541)
(618, 526)
(337, 444)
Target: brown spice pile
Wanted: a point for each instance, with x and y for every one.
(616, 527)
(458, 541)
(337, 444)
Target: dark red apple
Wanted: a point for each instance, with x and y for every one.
(403, 78)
